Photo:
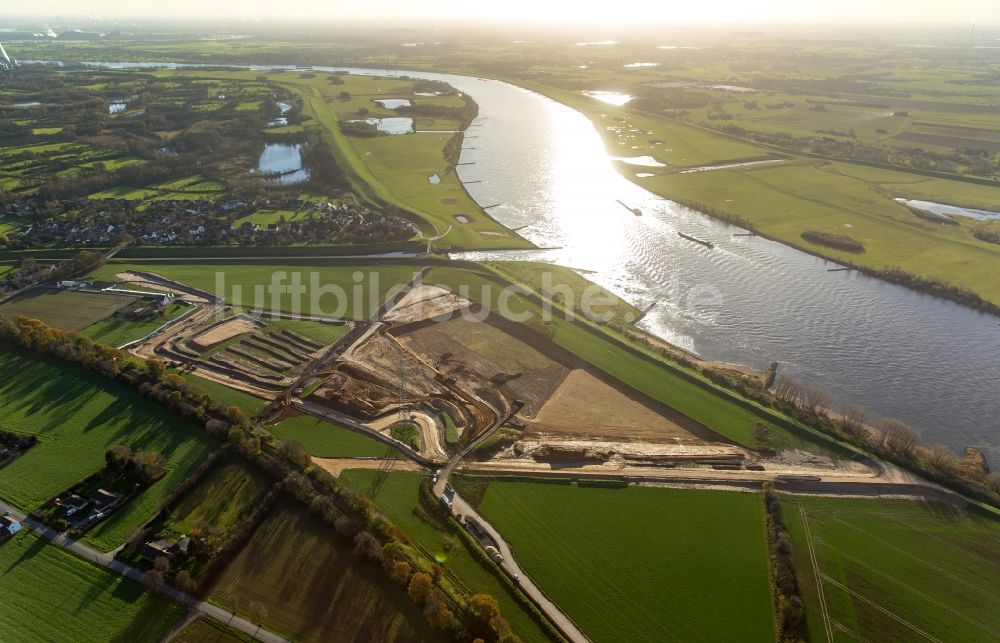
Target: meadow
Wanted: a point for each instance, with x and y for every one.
(325, 439)
(895, 569)
(220, 498)
(397, 498)
(77, 416)
(117, 332)
(312, 585)
(66, 309)
(50, 595)
(640, 563)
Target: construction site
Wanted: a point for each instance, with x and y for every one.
(430, 374)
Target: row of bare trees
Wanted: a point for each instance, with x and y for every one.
(889, 438)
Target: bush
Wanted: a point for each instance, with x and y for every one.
(835, 241)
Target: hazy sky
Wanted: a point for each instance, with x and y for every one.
(593, 12)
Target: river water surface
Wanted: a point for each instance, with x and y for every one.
(899, 353)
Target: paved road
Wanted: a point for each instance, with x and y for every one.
(108, 562)
(459, 506)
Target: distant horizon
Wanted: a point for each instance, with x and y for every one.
(643, 14)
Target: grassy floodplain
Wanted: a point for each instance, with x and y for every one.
(396, 169)
(50, 595)
(313, 585)
(783, 199)
(397, 498)
(639, 563)
(77, 416)
(895, 569)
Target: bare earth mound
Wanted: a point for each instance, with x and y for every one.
(221, 332)
(585, 407)
(461, 346)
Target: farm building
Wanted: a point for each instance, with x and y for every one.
(165, 548)
(104, 499)
(73, 504)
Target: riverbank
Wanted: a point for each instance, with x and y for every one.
(780, 200)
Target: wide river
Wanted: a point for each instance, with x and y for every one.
(898, 353)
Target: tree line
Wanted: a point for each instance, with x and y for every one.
(447, 607)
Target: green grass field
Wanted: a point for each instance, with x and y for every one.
(343, 291)
(50, 595)
(117, 332)
(220, 499)
(316, 331)
(314, 586)
(66, 309)
(397, 498)
(225, 395)
(571, 288)
(327, 440)
(77, 416)
(895, 569)
(642, 564)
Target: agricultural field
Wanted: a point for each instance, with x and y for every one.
(337, 294)
(312, 584)
(219, 500)
(117, 332)
(51, 595)
(632, 563)
(324, 439)
(66, 309)
(207, 630)
(895, 569)
(397, 498)
(77, 416)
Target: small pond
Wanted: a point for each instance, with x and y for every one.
(392, 103)
(434, 178)
(282, 163)
(392, 125)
